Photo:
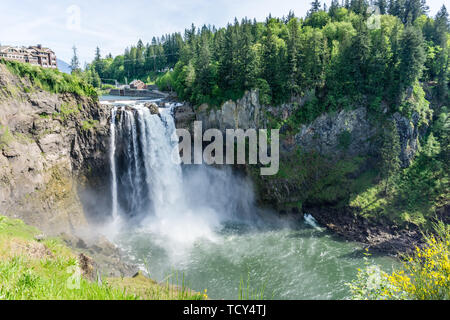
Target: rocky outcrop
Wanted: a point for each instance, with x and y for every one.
(348, 137)
(53, 150)
(379, 236)
(153, 107)
(348, 132)
(245, 113)
(408, 131)
(109, 260)
(184, 117)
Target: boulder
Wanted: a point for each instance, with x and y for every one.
(153, 108)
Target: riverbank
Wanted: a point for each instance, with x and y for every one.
(379, 236)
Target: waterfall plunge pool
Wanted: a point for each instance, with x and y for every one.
(200, 222)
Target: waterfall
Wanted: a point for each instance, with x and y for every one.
(148, 182)
(113, 163)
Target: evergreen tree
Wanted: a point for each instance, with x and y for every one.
(382, 5)
(248, 68)
(292, 55)
(412, 56)
(389, 154)
(75, 62)
(333, 8)
(97, 55)
(359, 7)
(315, 6)
(359, 57)
(442, 28)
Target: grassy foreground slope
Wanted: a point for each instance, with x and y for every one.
(47, 269)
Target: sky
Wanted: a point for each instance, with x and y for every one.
(115, 24)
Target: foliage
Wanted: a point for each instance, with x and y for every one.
(333, 52)
(417, 191)
(345, 139)
(50, 80)
(425, 274)
(89, 124)
(389, 151)
(246, 292)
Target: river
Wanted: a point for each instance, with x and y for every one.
(201, 223)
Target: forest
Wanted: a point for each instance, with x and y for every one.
(347, 53)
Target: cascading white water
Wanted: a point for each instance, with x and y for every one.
(148, 181)
(113, 163)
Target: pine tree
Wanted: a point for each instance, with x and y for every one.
(359, 7)
(360, 53)
(397, 8)
(204, 76)
(382, 5)
(248, 69)
(97, 54)
(333, 8)
(442, 28)
(412, 10)
(292, 55)
(315, 6)
(75, 62)
(412, 56)
(389, 154)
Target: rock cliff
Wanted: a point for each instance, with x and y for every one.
(342, 144)
(53, 155)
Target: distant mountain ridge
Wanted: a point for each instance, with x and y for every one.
(63, 66)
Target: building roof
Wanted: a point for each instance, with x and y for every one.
(30, 49)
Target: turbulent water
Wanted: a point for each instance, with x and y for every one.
(201, 221)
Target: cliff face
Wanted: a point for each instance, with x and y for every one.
(53, 155)
(331, 152)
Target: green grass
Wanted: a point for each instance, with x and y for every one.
(49, 270)
(89, 124)
(66, 111)
(247, 292)
(51, 80)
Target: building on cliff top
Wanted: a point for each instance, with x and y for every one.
(138, 84)
(35, 55)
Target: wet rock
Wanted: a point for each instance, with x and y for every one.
(153, 108)
(81, 244)
(184, 116)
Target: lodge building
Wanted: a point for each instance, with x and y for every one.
(35, 55)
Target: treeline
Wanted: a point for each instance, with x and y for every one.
(345, 53)
(138, 62)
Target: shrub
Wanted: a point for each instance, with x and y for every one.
(51, 80)
(425, 274)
